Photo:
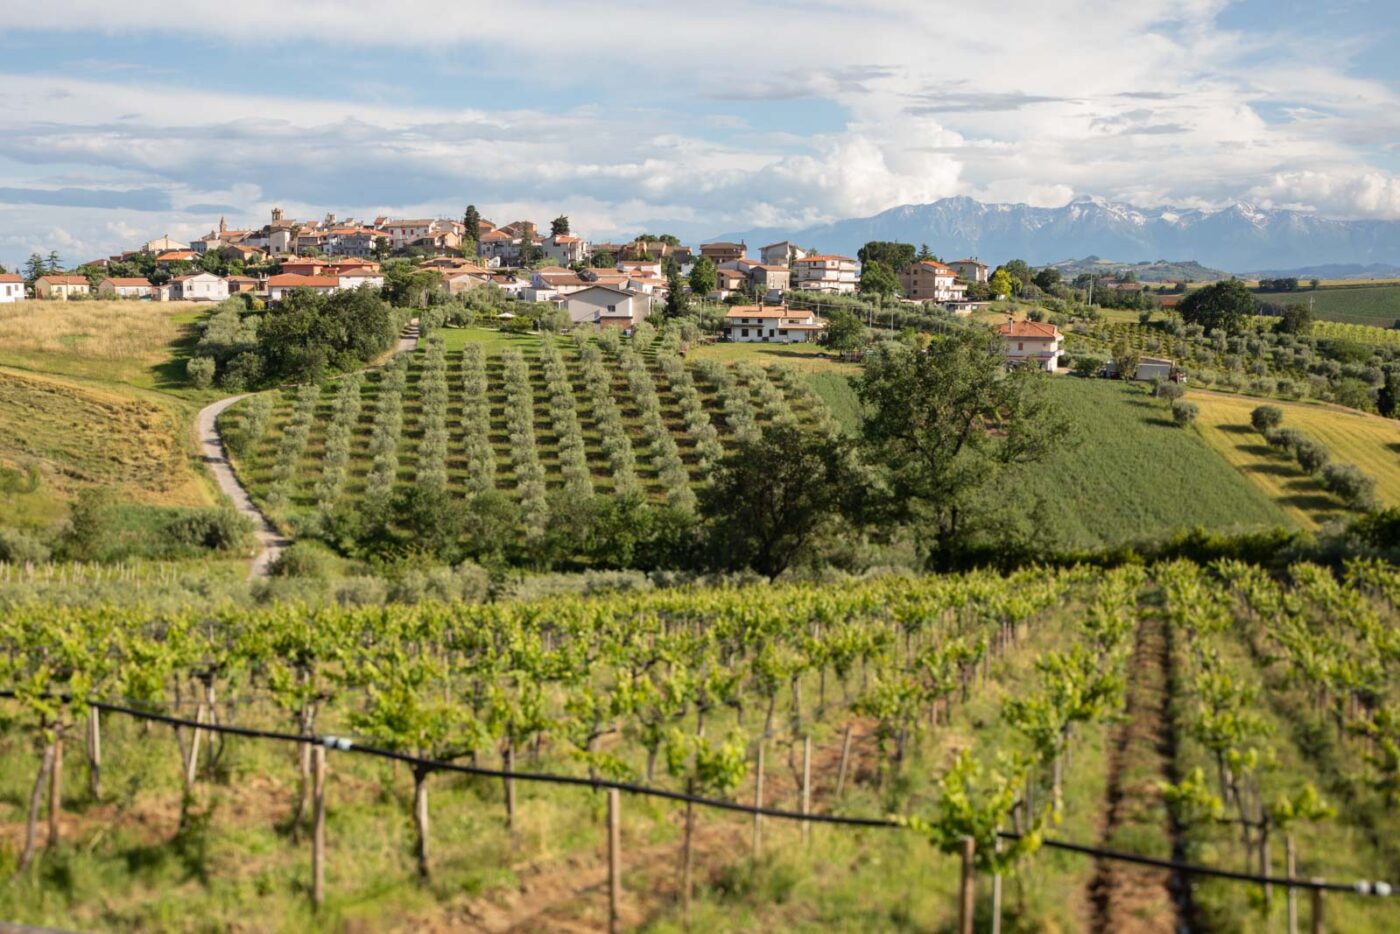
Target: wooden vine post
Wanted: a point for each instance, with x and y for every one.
(318, 826)
(1291, 857)
(614, 860)
(94, 739)
(806, 787)
(966, 890)
(1317, 923)
(55, 787)
(758, 803)
(845, 758)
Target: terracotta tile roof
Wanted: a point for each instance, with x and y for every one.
(127, 282)
(176, 255)
(764, 311)
(11, 277)
(936, 265)
(193, 275)
(289, 281)
(64, 280)
(1033, 329)
(970, 262)
(495, 236)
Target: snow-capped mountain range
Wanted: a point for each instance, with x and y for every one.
(1238, 238)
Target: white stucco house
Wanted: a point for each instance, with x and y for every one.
(198, 287)
(122, 287)
(606, 306)
(11, 288)
(279, 286)
(776, 324)
(832, 274)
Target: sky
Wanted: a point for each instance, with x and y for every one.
(122, 122)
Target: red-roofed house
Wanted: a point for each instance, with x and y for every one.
(177, 256)
(124, 288)
(279, 286)
(774, 324)
(563, 249)
(1032, 342)
(61, 288)
(11, 287)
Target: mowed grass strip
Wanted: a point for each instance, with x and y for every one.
(1370, 442)
(1134, 474)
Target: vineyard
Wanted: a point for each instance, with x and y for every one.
(1361, 333)
(1215, 716)
(572, 418)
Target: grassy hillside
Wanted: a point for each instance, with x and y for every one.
(1135, 474)
(1368, 441)
(137, 344)
(83, 436)
(1373, 304)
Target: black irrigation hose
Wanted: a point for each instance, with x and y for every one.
(1362, 887)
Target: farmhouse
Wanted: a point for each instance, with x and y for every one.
(11, 287)
(279, 286)
(607, 307)
(1032, 342)
(930, 281)
(198, 287)
(61, 288)
(124, 288)
(777, 324)
(238, 284)
(563, 249)
(833, 274)
(1148, 369)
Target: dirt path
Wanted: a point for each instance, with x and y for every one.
(271, 543)
(1125, 897)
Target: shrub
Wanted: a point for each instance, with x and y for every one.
(20, 547)
(219, 529)
(1088, 365)
(1350, 485)
(1284, 439)
(1168, 390)
(1311, 455)
(303, 559)
(200, 372)
(1183, 412)
(1265, 417)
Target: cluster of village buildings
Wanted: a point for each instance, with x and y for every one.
(331, 254)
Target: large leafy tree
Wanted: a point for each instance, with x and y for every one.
(309, 333)
(703, 277)
(471, 219)
(559, 227)
(1225, 306)
(893, 254)
(947, 423)
(877, 278)
(776, 495)
(844, 331)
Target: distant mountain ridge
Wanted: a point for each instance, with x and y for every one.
(1237, 238)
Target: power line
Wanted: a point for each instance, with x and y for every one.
(345, 744)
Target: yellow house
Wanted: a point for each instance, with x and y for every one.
(61, 288)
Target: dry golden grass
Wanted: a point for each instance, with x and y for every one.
(104, 329)
(81, 436)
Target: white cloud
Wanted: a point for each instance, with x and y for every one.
(1023, 100)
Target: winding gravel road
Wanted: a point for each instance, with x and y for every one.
(271, 542)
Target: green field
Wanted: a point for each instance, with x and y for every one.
(1368, 441)
(1377, 305)
(1134, 474)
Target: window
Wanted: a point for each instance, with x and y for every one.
(744, 332)
(1020, 345)
(612, 308)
